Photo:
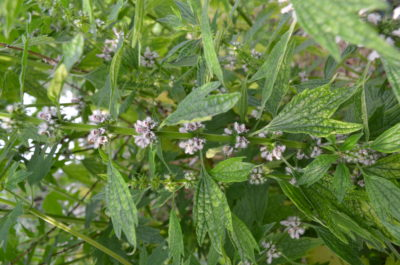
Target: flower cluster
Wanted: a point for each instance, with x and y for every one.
(97, 137)
(256, 176)
(47, 114)
(271, 251)
(293, 227)
(110, 46)
(148, 58)
(190, 178)
(275, 153)
(192, 145)
(191, 127)
(241, 141)
(144, 129)
(98, 117)
(361, 156)
(195, 144)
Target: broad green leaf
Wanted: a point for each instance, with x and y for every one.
(326, 19)
(317, 169)
(347, 252)
(392, 70)
(232, 170)
(175, 238)
(210, 53)
(120, 205)
(310, 112)
(8, 221)
(197, 106)
(389, 141)
(384, 196)
(386, 167)
(56, 84)
(73, 51)
(211, 212)
(138, 22)
(341, 181)
(272, 66)
(243, 239)
(40, 164)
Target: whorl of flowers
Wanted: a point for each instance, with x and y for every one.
(149, 58)
(144, 129)
(271, 154)
(195, 144)
(293, 227)
(256, 176)
(97, 137)
(241, 141)
(271, 251)
(47, 114)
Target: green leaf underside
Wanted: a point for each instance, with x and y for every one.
(317, 169)
(389, 141)
(73, 50)
(197, 106)
(211, 212)
(175, 238)
(232, 170)
(326, 19)
(56, 84)
(310, 111)
(120, 205)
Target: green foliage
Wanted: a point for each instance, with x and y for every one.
(199, 132)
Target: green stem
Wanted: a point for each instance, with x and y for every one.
(69, 230)
(165, 134)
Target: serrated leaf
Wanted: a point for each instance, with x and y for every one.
(175, 238)
(350, 142)
(347, 252)
(386, 167)
(232, 170)
(138, 22)
(310, 112)
(40, 164)
(384, 196)
(296, 195)
(197, 106)
(8, 221)
(341, 181)
(73, 51)
(326, 19)
(317, 169)
(210, 53)
(211, 212)
(272, 66)
(120, 205)
(243, 239)
(389, 141)
(56, 84)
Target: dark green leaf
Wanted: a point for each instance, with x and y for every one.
(317, 169)
(232, 170)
